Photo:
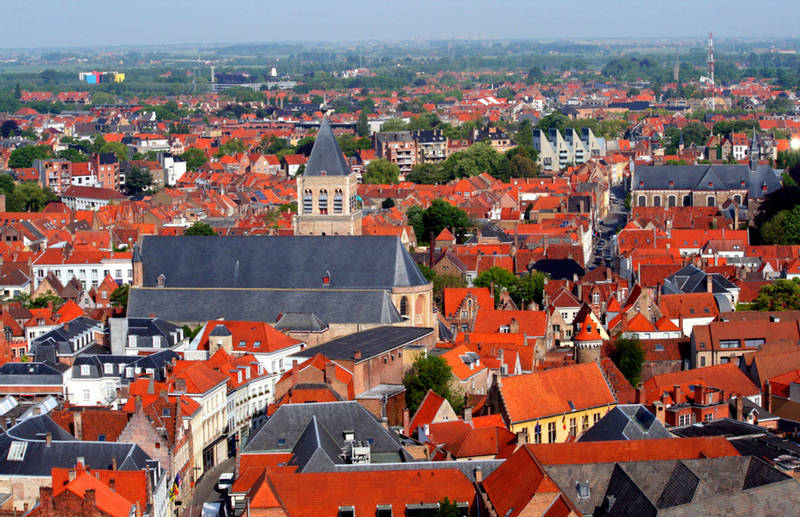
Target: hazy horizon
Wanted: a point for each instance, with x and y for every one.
(92, 23)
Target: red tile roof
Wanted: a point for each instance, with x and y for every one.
(426, 411)
(632, 450)
(364, 491)
(552, 392)
(513, 484)
(726, 377)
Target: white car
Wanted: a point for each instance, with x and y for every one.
(225, 481)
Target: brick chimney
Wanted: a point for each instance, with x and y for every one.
(48, 438)
(699, 393)
(180, 384)
(640, 395)
(513, 327)
(767, 397)
(89, 505)
(46, 499)
(467, 410)
(522, 437)
(406, 421)
(77, 423)
(676, 393)
(478, 475)
(739, 411)
(709, 283)
(357, 355)
(330, 372)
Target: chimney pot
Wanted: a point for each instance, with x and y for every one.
(357, 355)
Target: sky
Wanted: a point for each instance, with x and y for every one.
(71, 23)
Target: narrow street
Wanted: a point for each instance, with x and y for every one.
(206, 488)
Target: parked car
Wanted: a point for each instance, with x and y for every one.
(225, 481)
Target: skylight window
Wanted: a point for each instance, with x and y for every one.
(16, 452)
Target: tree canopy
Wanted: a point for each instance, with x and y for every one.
(782, 295)
(628, 355)
(194, 158)
(23, 157)
(430, 373)
(435, 218)
(200, 228)
(137, 180)
(381, 171)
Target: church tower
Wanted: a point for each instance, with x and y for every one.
(755, 151)
(327, 192)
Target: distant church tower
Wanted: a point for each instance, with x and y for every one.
(327, 192)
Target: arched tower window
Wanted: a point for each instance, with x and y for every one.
(308, 202)
(656, 201)
(672, 201)
(711, 201)
(642, 201)
(404, 306)
(337, 201)
(323, 202)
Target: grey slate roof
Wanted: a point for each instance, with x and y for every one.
(626, 422)
(63, 451)
(201, 305)
(298, 262)
(284, 429)
(300, 322)
(698, 177)
(30, 373)
(60, 337)
(691, 279)
(326, 157)
(671, 487)
(370, 342)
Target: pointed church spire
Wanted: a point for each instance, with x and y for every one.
(326, 157)
(755, 151)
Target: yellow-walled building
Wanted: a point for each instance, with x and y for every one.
(552, 405)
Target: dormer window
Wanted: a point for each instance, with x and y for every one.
(85, 370)
(161, 280)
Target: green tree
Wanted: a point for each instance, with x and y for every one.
(430, 373)
(535, 75)
(180, 128)
(119, 297)
(40, 302)
(476, 159)
(387, 203)
(441, 215)
(362, 125)
(29, 196)
(628, 355)
(103, 98)
(73, 155)
(137, 180)
(529, 288)
(394, 124)
(381, 172)
(200, 228)
(118, 148)
(190, 333)
(231, 147)
(22, 157)
(194, 158)
(6, 184)
(782, 295)
(522, 167)
(497, 278)
(447, 508)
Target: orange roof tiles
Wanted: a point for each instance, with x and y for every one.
(365, 491)
(632, 450)
(552, 392)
